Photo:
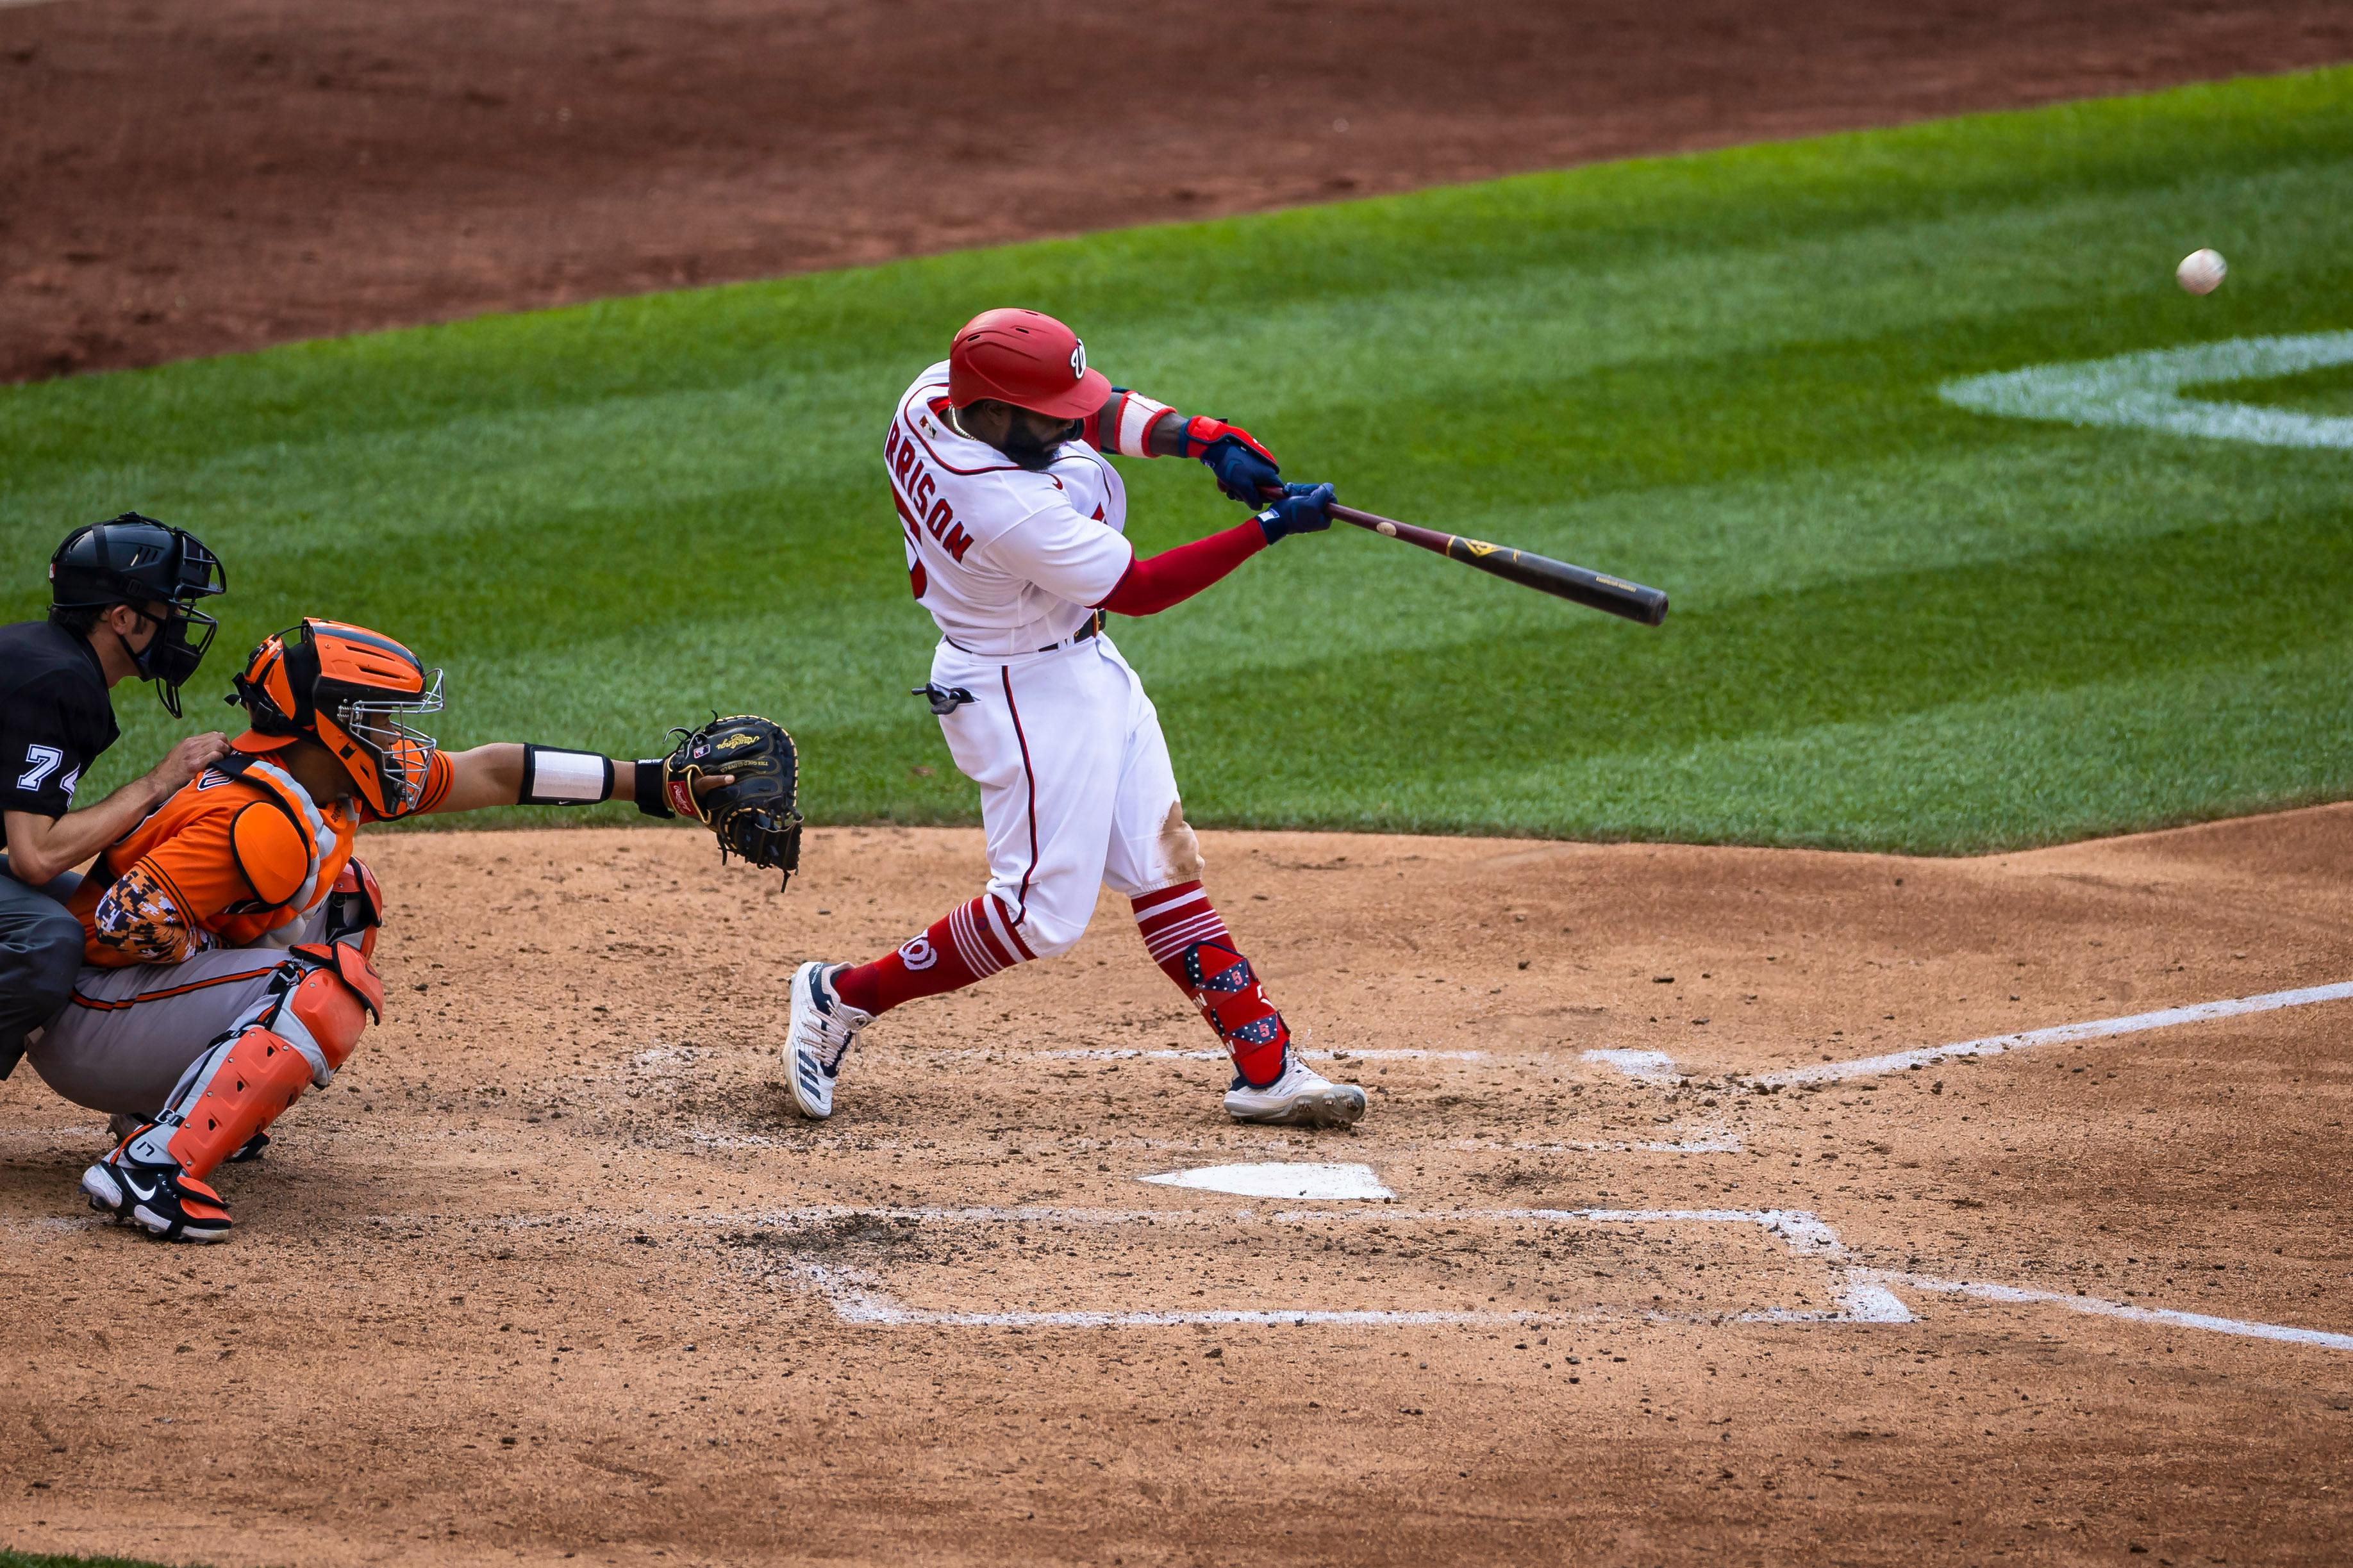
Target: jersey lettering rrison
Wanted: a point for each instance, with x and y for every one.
(1007, 561)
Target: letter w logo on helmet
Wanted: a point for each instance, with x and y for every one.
(349, 689)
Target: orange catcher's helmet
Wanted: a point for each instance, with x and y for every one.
(349, 689)
(1027, 358)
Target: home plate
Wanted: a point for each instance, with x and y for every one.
(1278, 1179)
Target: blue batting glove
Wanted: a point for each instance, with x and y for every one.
(1301, 509)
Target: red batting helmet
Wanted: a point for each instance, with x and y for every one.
(1024, 358)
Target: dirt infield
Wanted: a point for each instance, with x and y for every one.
(554, 1269)
(183, 180)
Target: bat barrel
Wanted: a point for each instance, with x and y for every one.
(1595, 590)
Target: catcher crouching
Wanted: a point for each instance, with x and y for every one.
(230, 938)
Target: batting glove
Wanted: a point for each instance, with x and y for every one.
(1245, 469)
(1303, 508)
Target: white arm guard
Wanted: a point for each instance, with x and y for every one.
(553, 777)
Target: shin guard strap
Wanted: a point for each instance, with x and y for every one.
(351, 968)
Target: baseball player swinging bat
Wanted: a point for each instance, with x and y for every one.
(1594, 589)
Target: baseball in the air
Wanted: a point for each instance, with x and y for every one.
(2201, 271)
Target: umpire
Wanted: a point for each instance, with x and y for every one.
(123, 596)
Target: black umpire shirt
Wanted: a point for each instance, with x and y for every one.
(55, 716)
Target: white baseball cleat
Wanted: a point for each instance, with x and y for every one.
(823, 1029)
(1302, 1097)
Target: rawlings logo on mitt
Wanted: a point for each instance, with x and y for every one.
(756, 816)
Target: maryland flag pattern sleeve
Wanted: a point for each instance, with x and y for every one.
(146, 916)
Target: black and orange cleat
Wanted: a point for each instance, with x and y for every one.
(161, 1199)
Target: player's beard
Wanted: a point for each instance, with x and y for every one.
(1026, 451)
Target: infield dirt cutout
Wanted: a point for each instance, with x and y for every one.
(554, 1269)
(197, 179)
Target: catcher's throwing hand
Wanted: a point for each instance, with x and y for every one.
(740, 777)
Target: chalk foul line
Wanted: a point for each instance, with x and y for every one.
(2097, 1307)
(1864, 1295)
(2097, 1028)
(1655, 1069)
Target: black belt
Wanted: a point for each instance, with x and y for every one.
(1094, 625)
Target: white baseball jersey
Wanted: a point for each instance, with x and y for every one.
(1076, 790)
(1007, 560)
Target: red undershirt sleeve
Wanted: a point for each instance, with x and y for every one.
(1174, 576)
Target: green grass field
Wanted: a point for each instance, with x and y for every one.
(1897, 623)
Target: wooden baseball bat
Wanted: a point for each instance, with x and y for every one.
(1594, 589)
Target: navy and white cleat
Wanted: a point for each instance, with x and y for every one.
(823, 1029)
(1302, 1097)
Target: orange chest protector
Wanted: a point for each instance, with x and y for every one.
(244, 847)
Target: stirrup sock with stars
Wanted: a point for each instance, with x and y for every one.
(1187, 938)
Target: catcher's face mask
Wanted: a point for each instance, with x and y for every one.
(353, 691)
(401, 754)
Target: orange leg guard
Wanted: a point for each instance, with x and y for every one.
(254, 1073)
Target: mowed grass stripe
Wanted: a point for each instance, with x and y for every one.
(1715, 373)
(1519, 339)
(2083, 761)
(1876, 649)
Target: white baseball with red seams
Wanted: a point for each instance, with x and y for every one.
(1076, 787)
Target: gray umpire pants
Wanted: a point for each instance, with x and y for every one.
(40, 953)
(126, 1036)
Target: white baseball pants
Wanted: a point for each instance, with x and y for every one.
(1076, 788)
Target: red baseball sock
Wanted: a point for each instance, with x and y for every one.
(971, 942)
(1187, 938)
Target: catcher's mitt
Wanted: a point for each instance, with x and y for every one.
(754, 817)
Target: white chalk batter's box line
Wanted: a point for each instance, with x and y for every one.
(857, 1298)
(1865, 1295)
(1707, 1140)
(1171, 1054)
(1658, 1068)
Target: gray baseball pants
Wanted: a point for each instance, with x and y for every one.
(125, 1035)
